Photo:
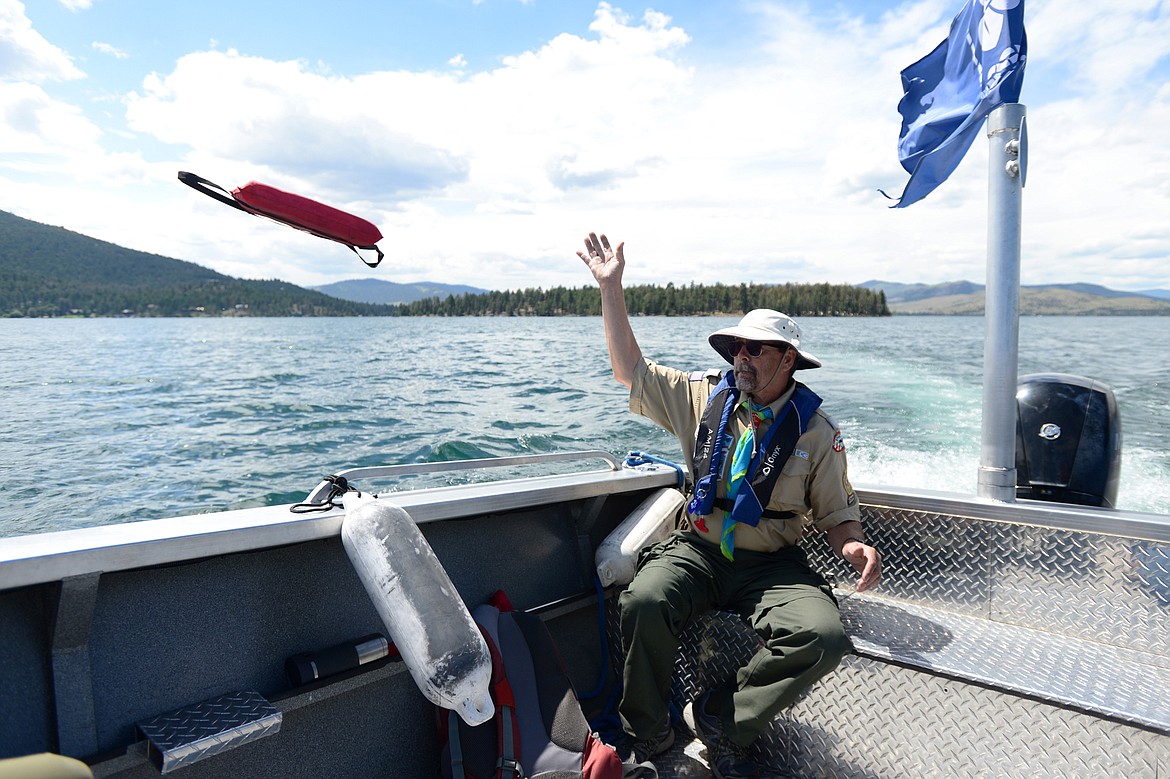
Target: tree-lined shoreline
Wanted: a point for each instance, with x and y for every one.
(669, 300)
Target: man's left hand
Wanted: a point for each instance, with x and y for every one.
(866, 560)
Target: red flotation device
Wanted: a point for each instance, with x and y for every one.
(295, 211)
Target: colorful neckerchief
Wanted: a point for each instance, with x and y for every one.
(741, 461)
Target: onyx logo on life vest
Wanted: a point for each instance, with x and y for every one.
(770, 461)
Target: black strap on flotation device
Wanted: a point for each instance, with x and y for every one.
(723, 504)
(213, 190)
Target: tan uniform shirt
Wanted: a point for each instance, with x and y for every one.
(814, 484)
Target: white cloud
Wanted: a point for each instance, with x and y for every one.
(77, 5)
(31, 122)
(25, 55)
(113, 51)
(346, 136)
(1109, 48)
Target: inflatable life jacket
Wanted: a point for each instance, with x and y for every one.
(295, 211)
(777, 445)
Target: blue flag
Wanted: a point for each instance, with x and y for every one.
(949, 92)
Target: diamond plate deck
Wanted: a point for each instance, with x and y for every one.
(873, 719)
(993, 649)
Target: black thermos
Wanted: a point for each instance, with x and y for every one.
(311, 666)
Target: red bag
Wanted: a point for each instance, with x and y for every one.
(295, 211)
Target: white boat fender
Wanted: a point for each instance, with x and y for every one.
(420, 607)
(652, 521)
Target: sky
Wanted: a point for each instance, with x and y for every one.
(721, 141)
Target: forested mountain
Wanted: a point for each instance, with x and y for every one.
(51, 271)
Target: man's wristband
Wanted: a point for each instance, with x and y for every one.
(852, 538)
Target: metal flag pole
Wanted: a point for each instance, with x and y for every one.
(1007, 171)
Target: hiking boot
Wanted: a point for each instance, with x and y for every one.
(705, 725)
(728, 759)
(641, 751)
(731, 761)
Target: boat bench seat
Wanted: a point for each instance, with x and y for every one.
(1089, 675)
(1075, 619)
(1078, 619)
(942, 682)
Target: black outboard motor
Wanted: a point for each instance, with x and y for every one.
(1068, 440)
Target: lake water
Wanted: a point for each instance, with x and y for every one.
(113, 420)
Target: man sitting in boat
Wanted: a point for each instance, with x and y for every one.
(764, 459)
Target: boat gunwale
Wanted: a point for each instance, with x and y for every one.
(47, 557)
(1055, 516)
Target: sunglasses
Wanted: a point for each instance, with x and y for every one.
(754, 348)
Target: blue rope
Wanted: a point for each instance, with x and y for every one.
(604, 642)
(607, 724)
(634, 459)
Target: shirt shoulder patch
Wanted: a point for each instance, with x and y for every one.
(701, 375)
(838, 442)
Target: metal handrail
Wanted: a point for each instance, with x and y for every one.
(413, 469)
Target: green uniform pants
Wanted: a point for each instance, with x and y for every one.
(790, 607)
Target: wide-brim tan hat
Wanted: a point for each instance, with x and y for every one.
(766, 326)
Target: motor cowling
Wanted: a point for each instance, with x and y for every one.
(1068, 440)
